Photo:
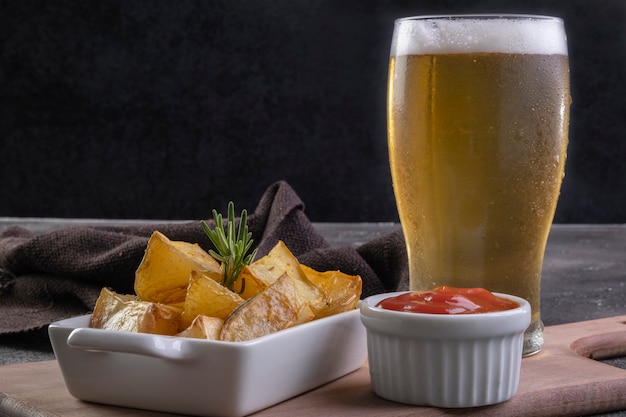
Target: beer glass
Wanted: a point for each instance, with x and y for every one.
(478, 113)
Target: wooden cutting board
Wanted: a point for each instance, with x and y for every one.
(562, 380)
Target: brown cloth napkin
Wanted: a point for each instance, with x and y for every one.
(59, 274)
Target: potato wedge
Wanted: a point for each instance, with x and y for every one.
(266, 270)
(123, 312)
(163, 275)
(207, 297)
(341, 291)
(278, 261)
(278, 307)
(203, 327)
(250, 283)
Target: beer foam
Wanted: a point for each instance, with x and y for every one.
(453, 35)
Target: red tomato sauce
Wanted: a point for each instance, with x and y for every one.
(448, 300)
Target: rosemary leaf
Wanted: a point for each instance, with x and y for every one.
(231, 244)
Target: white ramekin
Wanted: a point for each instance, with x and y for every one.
(444, 360)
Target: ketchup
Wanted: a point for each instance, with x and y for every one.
(448, 300)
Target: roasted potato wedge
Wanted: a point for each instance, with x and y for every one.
(278, 307)
(280, 260)
(266, 270)
(248, 284)
(115, 311)
(163, 275)
(341, 291)
(207, 297)
(203, 327)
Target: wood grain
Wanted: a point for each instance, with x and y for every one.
(562, 380)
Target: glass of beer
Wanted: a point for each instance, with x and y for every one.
(478, 114)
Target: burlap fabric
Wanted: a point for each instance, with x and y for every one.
(59, 274)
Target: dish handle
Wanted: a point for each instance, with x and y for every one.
(155, 346)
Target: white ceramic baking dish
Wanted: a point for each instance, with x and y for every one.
(202, 377)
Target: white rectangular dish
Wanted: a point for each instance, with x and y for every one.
(203, 377)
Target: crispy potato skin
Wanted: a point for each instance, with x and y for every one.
(274, 309)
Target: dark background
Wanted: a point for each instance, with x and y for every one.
(167, 109)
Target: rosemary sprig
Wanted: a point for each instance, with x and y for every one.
(230, 248)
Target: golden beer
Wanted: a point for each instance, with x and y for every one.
(477, 144)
